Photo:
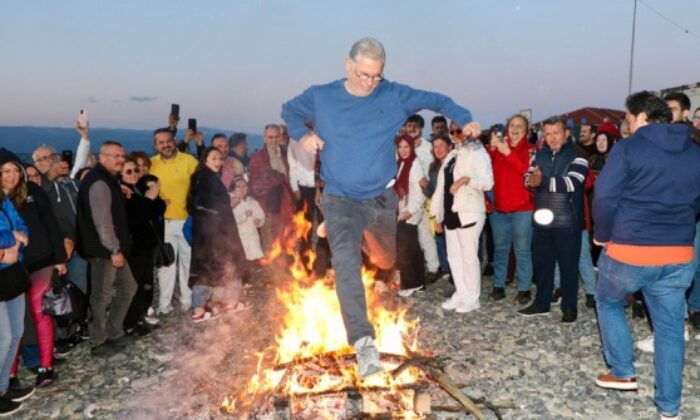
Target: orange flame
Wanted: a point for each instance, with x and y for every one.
(312, 326)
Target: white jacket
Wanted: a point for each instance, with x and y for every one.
(247, 231)
(413, 202)
(473, 162)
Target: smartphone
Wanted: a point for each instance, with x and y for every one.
(175, 110)
(192, 124)
(67, 156)
(83, 118)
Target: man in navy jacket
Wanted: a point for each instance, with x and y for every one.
(644, 209)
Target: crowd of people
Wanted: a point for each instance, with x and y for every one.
(543, 204)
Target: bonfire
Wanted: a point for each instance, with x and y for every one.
(311, 367)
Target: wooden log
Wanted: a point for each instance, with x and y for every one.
(447, 384)
(417, 386)
(331, 356)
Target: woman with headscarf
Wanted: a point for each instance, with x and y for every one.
(218, 259)
(459, 208)
(409, 257)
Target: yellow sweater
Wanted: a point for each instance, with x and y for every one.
(174, 176)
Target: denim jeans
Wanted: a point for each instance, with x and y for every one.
(512, 229)
(11, 331)
(694, 292)
(355, 226)
(585, 267)
(664, 293)
(442, 252)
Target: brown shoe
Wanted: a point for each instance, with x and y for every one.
(620, 384)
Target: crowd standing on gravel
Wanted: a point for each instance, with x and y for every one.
(615, 204)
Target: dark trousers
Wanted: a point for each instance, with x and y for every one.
(551, 246)
(409, 256)
(308, 205)
(142, 270)
(105, 280)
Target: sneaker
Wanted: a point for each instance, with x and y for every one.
(532, 310)
(165, 311)
(498, 293)
(405, 293)
(620, 384)
(556, 296)
(590, 301)
(452, 303)
(151, 320)
(523, 297)
(488, 270)
(367, 357)
(8, 407)
(465, 308)
(142, 329)
(44, 377)
(204, 316)
(103, 350)
(62, 348)
(647, 344)
(17, 394)
(569, 316)
(694, 318)
(665, 417)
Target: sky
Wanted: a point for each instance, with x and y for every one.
(232, 64)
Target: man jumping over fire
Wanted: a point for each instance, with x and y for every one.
(354, 122)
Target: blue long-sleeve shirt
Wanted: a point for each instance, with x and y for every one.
(358, 157)
(10, 221)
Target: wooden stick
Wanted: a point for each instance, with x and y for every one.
(345, 358)
(447, 384)
(417, 386)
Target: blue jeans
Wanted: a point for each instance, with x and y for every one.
(11, 331)
(355, 226)
(585, 267)
(442, 252)
(512, 229)
(664, 293)
(200, 295)
(694, 293)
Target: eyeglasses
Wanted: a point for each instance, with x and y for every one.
(33, 176)
(364, 76)
(52, 156)
(455, 132)
(132, 171)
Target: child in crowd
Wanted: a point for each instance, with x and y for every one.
(249, 217)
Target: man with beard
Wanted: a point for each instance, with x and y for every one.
(174, 170)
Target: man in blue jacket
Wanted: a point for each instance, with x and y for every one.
(645, 204)
(354, 122)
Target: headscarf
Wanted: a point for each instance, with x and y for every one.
(404, 166)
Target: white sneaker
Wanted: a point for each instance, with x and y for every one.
(451, 303)
(405, 293)
(165, 311)
(647, 344)
(367, 357)
(465, 308)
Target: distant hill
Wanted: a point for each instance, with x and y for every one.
(26, 139)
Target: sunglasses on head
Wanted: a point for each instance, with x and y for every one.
(132, 171)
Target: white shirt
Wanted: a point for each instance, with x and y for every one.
(301, 166)
(424, 152)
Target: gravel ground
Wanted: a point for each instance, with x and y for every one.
(185, 370)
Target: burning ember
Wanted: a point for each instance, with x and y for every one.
(311, 367)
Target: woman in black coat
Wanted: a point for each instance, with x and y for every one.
(218, 259)
(145, 211)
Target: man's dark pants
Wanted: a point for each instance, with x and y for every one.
(549, 246)
(104, 279)
(355, 226)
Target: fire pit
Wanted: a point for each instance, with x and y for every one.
(310, 371)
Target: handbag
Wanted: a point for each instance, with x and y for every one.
(56, 301)
(14, 279)
(163, 253)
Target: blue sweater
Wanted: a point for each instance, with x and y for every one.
(10, 221)
(358, 157)
(649, 190)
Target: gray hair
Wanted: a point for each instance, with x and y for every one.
(369, 48)
(270, 127)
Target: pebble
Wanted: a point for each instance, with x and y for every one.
(184, 371)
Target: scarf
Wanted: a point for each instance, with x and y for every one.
(404, 167)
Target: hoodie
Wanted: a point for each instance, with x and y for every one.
(648, 193)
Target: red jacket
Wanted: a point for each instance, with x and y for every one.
(509, 192)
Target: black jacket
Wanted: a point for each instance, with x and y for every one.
(145, 221)
(45, 239)
(89, 244)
